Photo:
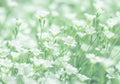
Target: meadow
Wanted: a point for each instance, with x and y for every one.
(59, 41)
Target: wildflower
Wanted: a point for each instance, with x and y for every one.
(118, 66)
(90, 30)
(112, 22)
(109, 34)
(70, 69)
(51, 80)
(45, 63)
(110, 73)
(9, 79)
(6, 62)
(35, 51)
(24, 69)
(99, 4)
(81, 34)
(11, 3)
(15, 54)
(90, 17)
(79, 22)
(84, 47)
(70, 16)
(55, 13)
(54, 29)
(42, 13)
(29, 80)
(82, 77)
(69, 41)
(94, 59)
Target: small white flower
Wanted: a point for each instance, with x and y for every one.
(106, 62)
(110, 70)
(84, 47)
(118, 66)
(100, 11)
(69, 41)
(42, 13)
(11, 3)
(29, 80)
(70, 16)
(110, 73)
(90, 30)
(99, 4)
(109, 34)
(89, 16)
(79, 22)
(35, 51)
(81, 34)
(24, 69)
(82, 77)
(69, 68)
(112, 22)
(55, 13)
(54, 29)
(9, 79)
(15, 54)
(5, 62)
(45, 63)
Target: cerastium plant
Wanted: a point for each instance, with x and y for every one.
(59, 42)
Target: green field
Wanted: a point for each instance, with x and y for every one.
(59, 41)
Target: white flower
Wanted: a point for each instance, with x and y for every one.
(9, 79)
(45, 35)
(118, 66)
(51, 80)
(55, 13)
(110, 73)
(24, 69)
(69, 41)
(11, 3)
(99, 4)
(91, 57)
(69, 68)
(24, 28)
(54, 29)
(50, 45)
(5, 62)
(110, 70)
(89, 16)
(82, 77)
(15, 54)
(41, 13)
(100, 11)
(59, 73)
(56, 51)
(90, 30)
(35, 51)
(29, 80)
(79, 22)
(45, 63)
(23, 40)
(109, 34)
(112, 22)
(106, 62)
(81, 34)
(84, 47)
(70, 16)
